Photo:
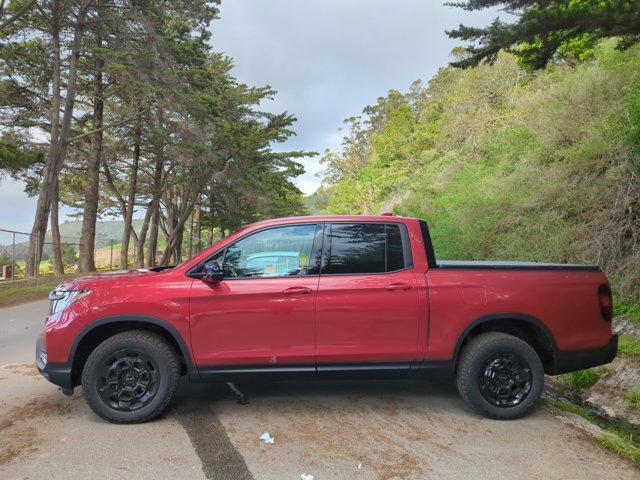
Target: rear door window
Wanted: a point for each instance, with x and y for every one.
(357, 248)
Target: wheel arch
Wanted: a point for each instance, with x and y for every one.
(523, 326)
(97, 331)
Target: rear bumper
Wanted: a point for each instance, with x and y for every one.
(57, 373)
(570, 361)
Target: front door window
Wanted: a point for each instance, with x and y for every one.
(276, 252)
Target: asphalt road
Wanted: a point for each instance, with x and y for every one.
(331, 430)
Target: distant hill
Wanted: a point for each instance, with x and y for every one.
(106, 232)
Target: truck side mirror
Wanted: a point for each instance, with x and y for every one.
(213, 272)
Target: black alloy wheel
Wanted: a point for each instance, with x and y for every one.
(505, 379)
(128, 380)
(499, 375)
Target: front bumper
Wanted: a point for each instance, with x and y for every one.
(570, 361)
(57, 373)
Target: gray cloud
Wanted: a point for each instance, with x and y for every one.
(328, 59)
(16, 209)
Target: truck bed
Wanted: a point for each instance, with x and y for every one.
(473, 265)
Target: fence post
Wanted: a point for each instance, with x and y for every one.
(13, 257)
(111, 258)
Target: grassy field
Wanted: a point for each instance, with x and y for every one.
(21, 291)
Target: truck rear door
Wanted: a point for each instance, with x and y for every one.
(367, 305)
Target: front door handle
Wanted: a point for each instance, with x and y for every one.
(296, 291)
(398, 286)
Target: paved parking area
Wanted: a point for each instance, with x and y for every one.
(331, 430)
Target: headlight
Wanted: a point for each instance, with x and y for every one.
(61, 300)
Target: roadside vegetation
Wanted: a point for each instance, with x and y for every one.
(620, 437)
(27, 290)
(507, 164)
(633, 398)
(629, 345)
(580, 380)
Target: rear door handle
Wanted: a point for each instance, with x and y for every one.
(398, 286)
(296, 291)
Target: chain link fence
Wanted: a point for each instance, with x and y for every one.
(14, 253)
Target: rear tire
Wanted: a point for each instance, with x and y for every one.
(131, 377)
(500, 376)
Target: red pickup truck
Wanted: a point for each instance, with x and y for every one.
(325, 297)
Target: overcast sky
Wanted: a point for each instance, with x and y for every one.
(326, 58)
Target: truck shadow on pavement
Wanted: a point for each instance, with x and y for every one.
(311, 414)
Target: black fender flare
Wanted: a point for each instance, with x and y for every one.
(192, 370)
(506, 316)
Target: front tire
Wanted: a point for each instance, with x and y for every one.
(131, 377)
(500, 376)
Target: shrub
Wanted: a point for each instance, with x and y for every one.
(629, 345)
(581, 379)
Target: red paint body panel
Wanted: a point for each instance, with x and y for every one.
(338, 318)
(162, 295)
(359, 320)
(565, 302)
(251, 321)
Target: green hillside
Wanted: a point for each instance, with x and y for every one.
(105, 230)
(505, 164)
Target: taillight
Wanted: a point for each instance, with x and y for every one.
(605, 301)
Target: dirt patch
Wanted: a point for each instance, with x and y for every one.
(34, 408)
(26, 369)
(17, 437)
(17, 444)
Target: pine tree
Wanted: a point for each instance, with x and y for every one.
(547, 29)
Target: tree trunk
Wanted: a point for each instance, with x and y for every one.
(153, 240)
(197, 228)
(191, 237)
(91, 194)
(59, 143)
(131, 198)
(151, 216)
(58, 267)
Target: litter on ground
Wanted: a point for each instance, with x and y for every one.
(268, 438)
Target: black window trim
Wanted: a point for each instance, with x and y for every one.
(406, 248)
(315, 249)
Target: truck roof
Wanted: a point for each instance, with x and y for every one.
(384, 217)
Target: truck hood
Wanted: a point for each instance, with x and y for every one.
(86, 283)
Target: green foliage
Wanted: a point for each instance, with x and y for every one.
(620, 437)
(630, 310)
(581, 379)
(633, 399)
(5, 259)
(567, 29)
(69, 255)
(506, 165)
(622, 446)
(572, 408)
(629, 345)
